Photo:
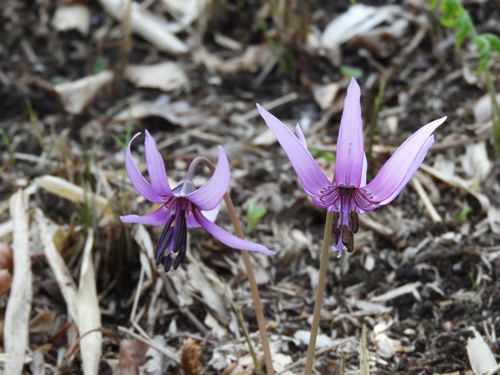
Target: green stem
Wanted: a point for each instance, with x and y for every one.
(374, 123)
(319, 292)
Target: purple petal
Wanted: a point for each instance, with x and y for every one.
(227, 238)
(397, 171)
(209, 195)
(159, 217)
(300, 135)
(210, 215)
(308, 171)
(136, 178)
(156, 167)
(350, 144)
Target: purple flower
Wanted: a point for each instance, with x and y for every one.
(182, 207)
(349, 195)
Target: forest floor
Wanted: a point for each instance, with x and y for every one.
(423, 277)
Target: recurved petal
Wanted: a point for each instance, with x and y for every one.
(402, 165)
(227, 238)
(350, 143)
(156, 167)
(209, 195)
(159, 217)
(210, 215)
(136, 178)
(308, 171)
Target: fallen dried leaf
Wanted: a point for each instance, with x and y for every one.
(166, 76)
(146, 24)
(131, 356)
(189, 357)
(72, 17)
(16, 331)
(76, 96)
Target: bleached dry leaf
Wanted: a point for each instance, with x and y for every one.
(475, 161)
(480, 356)
(155, 359)
(143, 239)
(76, 96)
(394, 293)
(212, 293)
(16, 326)
(187, 10)
(178, 113)
(89, 314)
(322, 340)
(325, 95)
(146, 24)
(482, 109)
(72, 192)
(166, 76)
(72, 17)
(253, 58)
(43, 322)
(46, 231)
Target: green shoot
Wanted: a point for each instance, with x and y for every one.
(318, 154)
(99, 65)
(464, 213)
(35, 123)
(10, 150)
(455, 16)
(254, 214)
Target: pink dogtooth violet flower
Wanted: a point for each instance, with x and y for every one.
(182, 207)
(349, 195)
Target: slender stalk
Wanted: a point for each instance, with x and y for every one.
(259, 313)
(319, 292)
(253, 287)
(375, 116)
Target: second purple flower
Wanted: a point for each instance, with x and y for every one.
(349, 195)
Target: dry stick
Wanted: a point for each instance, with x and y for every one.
(250, 274)
(319, 293)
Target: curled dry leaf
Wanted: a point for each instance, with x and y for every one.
(144, 23)
(325, 95)
(166, 76)
(253, 58)
(476, 162)
(482, 109)
(72, 17)
(76, 96)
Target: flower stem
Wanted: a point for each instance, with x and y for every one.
(253, 287)
(319, 292)
(259, 313)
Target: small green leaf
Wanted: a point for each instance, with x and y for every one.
(351, 71)
(318, 154)
(99, 65)
(464, 213)
(254, 214)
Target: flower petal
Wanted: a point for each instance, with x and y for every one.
(210, 215)
(350, 143)
(402, 165)
(159, 217)
(308, 171)
(156, 167)
(137, 179)
(209, 195)
(227, 238)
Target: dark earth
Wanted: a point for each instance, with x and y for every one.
(451, 265)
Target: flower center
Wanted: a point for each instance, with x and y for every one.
(345, 221)
(172, 245)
